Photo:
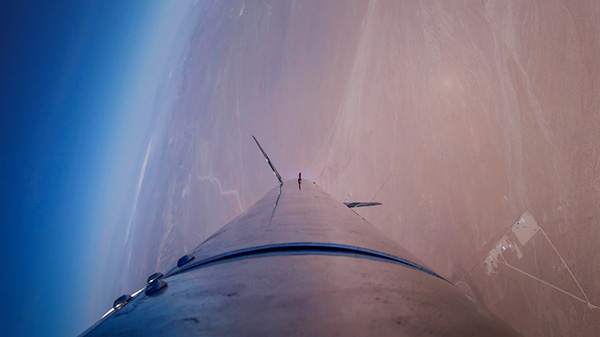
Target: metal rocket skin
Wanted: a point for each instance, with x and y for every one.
(300, 263)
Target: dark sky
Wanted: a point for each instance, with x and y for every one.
(68, 69)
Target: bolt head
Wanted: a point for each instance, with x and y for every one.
(184, 260)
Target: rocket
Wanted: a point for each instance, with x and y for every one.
(299, 263)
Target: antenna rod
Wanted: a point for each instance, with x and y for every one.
(269, 162)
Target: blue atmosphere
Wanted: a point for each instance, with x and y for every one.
(71, 138)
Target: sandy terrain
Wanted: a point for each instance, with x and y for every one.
(458, 116)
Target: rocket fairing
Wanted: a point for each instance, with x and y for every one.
(299, 262)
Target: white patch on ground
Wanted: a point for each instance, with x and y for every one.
(137, 191)
(491, 261)
(186, 189)
(210, 177)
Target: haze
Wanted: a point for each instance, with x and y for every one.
(459, 116)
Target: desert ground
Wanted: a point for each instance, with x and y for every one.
(475, 123)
